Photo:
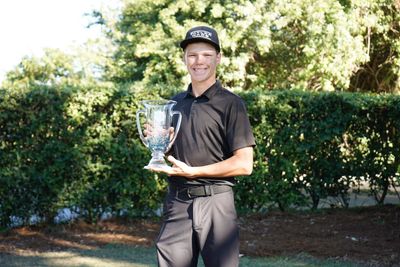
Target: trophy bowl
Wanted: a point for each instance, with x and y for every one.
(160, 129)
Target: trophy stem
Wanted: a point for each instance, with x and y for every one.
(157, 161)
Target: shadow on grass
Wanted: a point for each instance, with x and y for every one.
(130, 256)
(110, 255)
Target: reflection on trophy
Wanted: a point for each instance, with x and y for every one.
(160, 136)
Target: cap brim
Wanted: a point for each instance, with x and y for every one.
(185, 43)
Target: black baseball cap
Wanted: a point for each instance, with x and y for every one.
(201, 34)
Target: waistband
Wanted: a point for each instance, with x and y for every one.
(198, 190)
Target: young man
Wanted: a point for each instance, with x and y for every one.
(214, 144)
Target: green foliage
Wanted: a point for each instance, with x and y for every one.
(55, 67)
(313, 45)
(81, 68)
(35, 150)
(310, 44)
(63, 147)
(68, 139)
(314, 145)
(381, 73)
(78, 148)
(316, 45)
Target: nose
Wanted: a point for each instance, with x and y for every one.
(200, 59)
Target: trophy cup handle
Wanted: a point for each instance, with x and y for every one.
(176, 130)
(140, 128)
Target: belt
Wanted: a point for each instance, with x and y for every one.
(198, 190)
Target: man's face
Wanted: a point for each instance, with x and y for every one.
(201, 60)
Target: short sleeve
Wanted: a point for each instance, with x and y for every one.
(239, 133)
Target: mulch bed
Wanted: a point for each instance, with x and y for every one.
(369, 234)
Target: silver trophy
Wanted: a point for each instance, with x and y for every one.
(160, 136)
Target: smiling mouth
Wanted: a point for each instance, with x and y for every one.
(199, 70)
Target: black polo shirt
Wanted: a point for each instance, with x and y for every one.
(213, 126)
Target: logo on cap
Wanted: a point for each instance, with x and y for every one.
(201, 34)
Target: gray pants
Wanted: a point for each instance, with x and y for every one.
(202, 225)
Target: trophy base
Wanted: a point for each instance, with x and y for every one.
(157, 161)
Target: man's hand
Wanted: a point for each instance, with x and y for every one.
(149, 132)
(241, 163)
(178, 168)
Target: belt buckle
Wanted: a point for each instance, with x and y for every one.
(194, 188)
(188, 193)
(207, 189)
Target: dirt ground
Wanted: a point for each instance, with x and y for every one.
(370, 235)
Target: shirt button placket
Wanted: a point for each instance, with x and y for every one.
(193, 108)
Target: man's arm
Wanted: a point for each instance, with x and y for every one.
(241, 163)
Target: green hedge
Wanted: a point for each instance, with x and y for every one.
(73, 148)
(315, 145)
(78, 148)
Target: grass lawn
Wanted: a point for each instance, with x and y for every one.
(130, 256)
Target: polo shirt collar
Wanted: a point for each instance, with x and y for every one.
(209, 93)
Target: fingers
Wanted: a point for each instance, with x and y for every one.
(174, 161)
(179, 168)
(174, 170)
(171, 131)
(148, 130)
(166, 170)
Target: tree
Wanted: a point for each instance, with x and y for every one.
(309, 44)
(53, 68)
(381, 73)
(83, 66)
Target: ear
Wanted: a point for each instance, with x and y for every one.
(219, 56)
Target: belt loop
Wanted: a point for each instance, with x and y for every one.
(208, 190)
